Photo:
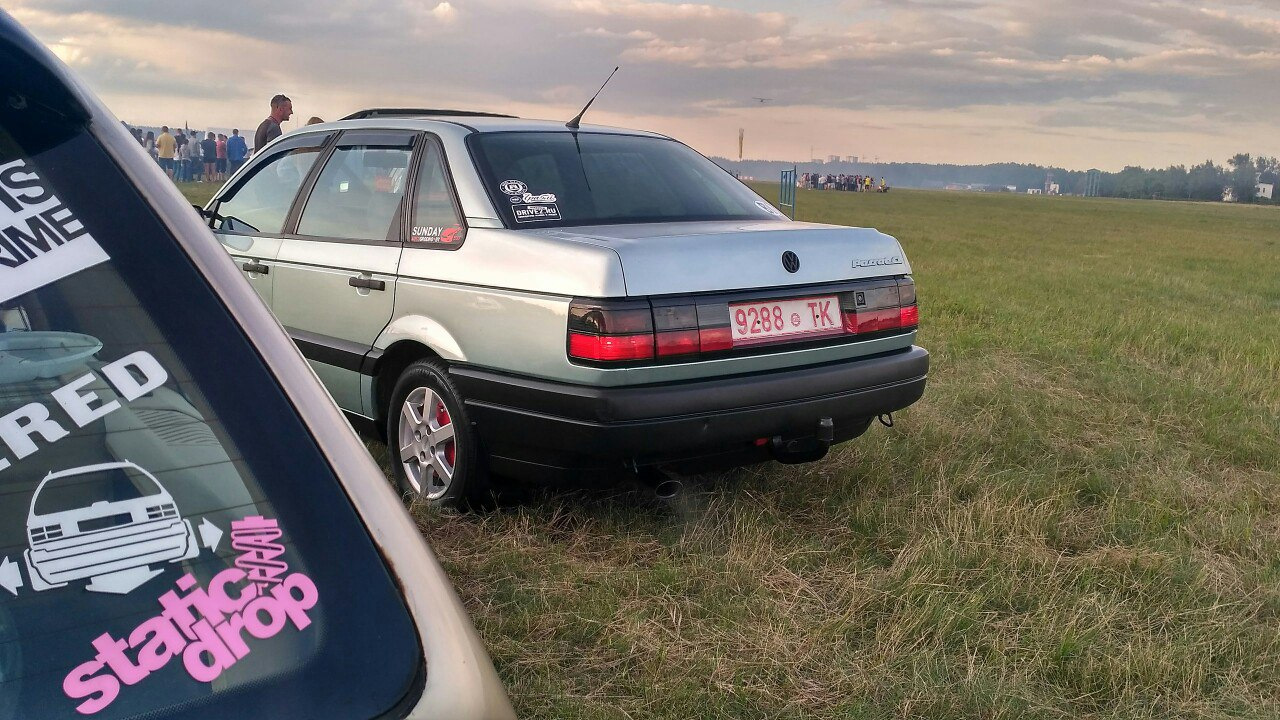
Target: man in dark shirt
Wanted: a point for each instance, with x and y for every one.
(281, 110)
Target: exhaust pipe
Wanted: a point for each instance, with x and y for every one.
(667, 489)
(663, 485)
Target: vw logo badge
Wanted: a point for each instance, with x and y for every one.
(790, 261)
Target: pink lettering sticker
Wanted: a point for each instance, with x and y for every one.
(209, 627)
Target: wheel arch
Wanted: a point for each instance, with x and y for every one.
(406, 340)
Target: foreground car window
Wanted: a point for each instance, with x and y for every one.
(172, 542)
(540, 179)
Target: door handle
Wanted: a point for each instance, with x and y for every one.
(255, 267)
(367, 283)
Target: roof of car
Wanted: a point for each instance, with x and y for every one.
(473, 123)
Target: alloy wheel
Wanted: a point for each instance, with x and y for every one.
(428, 448)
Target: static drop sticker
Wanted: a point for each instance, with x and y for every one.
(209, 627)
(41, 240)
(535, 213)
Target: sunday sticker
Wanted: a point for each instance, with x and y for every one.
(41, 240)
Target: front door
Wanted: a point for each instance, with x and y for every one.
(250, 216)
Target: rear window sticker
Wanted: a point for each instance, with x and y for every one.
(514, 188)
(41, 240)
(768, 208)
(445, 234)
(518, 193)
(131, 377)
(535, 213)
(108, 524)
(205, 625)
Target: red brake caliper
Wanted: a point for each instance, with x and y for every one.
(442, 414)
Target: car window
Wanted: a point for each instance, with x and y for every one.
(172, 542)
(261, 203)
(436, 220)
(540, 179)
(357, 194)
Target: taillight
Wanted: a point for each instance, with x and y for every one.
(48, 532)
(879, 308)
(628, 331)
(611, 331)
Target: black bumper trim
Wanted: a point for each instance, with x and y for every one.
(574, 426)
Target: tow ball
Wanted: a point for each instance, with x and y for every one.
(804, 449)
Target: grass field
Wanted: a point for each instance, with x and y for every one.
(1080, 518)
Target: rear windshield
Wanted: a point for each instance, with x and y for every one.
(122, 377)
(541, 179)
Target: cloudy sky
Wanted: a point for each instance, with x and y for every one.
(1079, 83)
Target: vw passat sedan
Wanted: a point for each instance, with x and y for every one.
(515, 296)
(187, 527)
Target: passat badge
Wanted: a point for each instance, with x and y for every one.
(873, 262)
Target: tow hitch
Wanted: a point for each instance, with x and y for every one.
(804, 449)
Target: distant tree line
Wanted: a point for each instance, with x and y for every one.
(1205, 181)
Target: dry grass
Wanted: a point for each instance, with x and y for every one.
(1080, 519)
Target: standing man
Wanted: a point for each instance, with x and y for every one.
(166, 146)
(281, 110)
(209, 153)
(236, 150)
(222, 157)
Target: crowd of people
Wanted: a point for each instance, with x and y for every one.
(851, 183)
(193, 156)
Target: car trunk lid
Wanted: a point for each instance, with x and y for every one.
(696, 257)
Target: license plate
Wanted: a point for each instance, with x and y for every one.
(775, 320)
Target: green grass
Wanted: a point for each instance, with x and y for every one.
(1080, 519)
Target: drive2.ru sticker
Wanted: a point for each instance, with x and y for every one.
(535, 213)
(41, 240)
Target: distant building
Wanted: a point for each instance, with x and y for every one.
(833, 158)
(1011, 188)
(1266, 191)
(1035, 191)
(1054, 189)
(851, 159)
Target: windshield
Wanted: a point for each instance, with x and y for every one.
(123, 375)
(542, 179)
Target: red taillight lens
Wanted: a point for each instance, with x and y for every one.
(909, 317)
(715, 339)
(610, 348)
(677, 342)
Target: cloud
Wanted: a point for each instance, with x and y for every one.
(1054, 67)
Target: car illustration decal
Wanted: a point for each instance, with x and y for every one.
(41, 240)
(211, 626)
(109, 524)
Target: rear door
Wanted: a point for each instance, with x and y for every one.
(336, 269)
(249, 217)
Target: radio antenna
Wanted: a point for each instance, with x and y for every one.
(577, 120)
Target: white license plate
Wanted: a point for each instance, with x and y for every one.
(773, 320)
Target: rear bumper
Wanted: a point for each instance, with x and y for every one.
(530, 425)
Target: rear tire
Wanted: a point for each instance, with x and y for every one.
(433, 448)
